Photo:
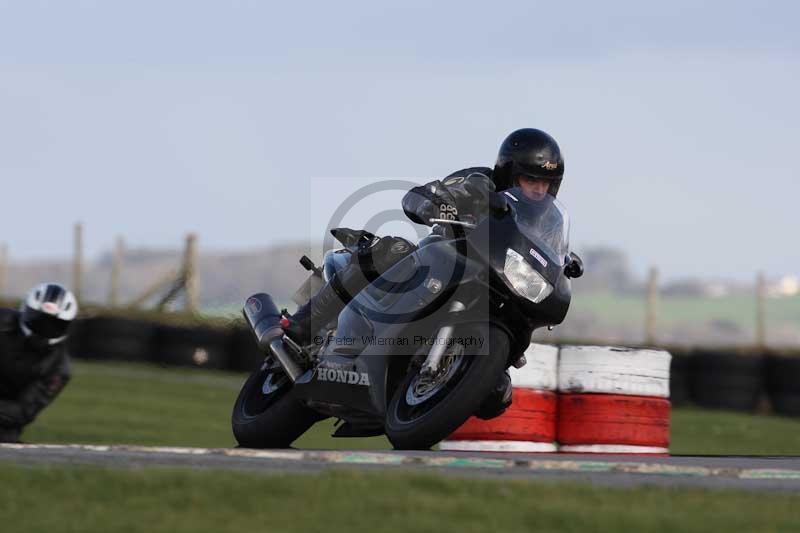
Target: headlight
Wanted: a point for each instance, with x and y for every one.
(526, 281)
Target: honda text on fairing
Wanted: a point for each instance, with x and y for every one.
(418, 351)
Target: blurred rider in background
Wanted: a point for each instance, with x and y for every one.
(34, 364)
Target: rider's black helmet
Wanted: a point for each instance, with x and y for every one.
(528, 152)
(47, 312)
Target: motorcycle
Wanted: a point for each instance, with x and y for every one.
(419, 350)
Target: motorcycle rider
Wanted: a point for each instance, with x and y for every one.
(528, 158)
(34, 365)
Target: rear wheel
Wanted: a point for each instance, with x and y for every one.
(267, 414)
(426, 409)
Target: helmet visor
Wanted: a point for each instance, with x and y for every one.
(536, 186)
(544, 221)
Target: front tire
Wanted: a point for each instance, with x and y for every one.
(421, 424)
(267, 414)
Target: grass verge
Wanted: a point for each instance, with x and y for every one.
(139, 404)
(87, 499)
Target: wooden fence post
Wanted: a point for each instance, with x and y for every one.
(116, 272)
(761, 322)
(168, 281)
(651, 315)
(185, 279)
(192, 285)
(77, 262)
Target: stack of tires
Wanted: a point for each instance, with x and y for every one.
(244, 353)
(783, 382)
(679, 374)
(118, 338)
(727, 378)
(579, 399)
(193, 345)
(113, 338)
(529, 424)
(613, 400)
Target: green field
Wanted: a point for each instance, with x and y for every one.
(611, 312)
(147, 405)
(88, 499)
(615, 307)
(139, 404)
(737, 309)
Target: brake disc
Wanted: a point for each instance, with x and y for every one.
(423, 387)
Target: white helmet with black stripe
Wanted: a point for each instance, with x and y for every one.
(47, 312)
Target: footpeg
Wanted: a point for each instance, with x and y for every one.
(348, 430)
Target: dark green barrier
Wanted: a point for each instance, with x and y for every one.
(727, 378)
(679, 376)
(114, 338)
(198, 346)
(245, 355)
(783, 382)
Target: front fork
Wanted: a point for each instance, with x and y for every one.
(443, 337)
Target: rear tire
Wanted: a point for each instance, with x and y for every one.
(450, 407)
(269, 420)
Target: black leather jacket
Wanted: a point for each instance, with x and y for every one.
(462, 195)
(30, 377)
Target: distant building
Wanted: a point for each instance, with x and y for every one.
(787, 286)
(695, 288)
(607, 269)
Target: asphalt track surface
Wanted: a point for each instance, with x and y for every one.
(747, 473)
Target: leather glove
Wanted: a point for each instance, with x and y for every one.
(472, 194)
(432, 200)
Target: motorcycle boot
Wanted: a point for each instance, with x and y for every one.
(326, 304)
(498, 400)
(374, 256)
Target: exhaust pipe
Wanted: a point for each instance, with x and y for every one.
(263, 317)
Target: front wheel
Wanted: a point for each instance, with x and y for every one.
(425, 410)
(267, 414)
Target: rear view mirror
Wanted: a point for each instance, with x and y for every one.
(574, 266)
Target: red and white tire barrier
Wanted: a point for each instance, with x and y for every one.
(611, 423)
(529, 424)
(540, 371)
(608, 400)
(610, 370)
(613, 400)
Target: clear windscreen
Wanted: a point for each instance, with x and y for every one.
(543, 220)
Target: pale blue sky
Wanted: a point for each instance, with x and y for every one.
(679, 122)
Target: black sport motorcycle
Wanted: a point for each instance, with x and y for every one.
(417, 352)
